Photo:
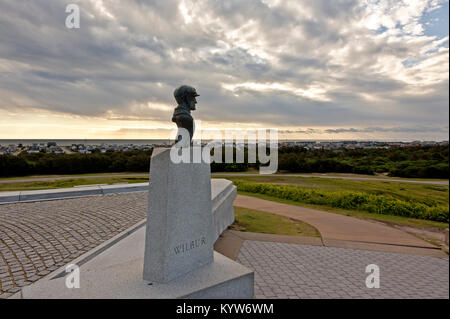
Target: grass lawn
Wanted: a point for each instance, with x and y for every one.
(390, 219)
(70, 183)
(261, 222)
(378, 176)
(72, 175)
(422, 193)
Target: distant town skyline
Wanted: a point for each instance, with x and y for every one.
(17, 147)
(331, 70)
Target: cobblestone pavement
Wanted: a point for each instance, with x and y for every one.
(37, 238)
(300, 271)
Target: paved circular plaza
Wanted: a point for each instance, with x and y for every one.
(300, 271)
(37, 238)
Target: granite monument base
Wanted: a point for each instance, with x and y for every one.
(180, 231)
(172, 257)
(117, 273)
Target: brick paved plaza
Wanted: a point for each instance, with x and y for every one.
(300, 271)
(37, 238)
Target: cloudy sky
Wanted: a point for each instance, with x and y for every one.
(322, 69)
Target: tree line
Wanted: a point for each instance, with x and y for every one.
(46, 163)
(413, 162)
(418, 162)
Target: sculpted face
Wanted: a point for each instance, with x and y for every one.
(192, 102)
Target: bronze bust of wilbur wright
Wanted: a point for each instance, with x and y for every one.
(186, 98)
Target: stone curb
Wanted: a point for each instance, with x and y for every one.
(77, 191)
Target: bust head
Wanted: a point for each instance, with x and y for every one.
(185, 95)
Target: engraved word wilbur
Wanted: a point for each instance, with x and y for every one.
(184, 247)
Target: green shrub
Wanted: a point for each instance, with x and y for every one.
(372, 203)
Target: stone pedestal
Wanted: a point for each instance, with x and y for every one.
(117, 273)
(180, 231)
(174, 252)
(114, 269)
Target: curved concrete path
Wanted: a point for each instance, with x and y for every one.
(335, 227)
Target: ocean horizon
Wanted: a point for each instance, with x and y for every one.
(69, 142)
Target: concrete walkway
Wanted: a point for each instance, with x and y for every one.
(337, 229)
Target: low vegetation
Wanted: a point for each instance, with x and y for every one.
(350, 200)
(428, 194)
(262, 222)
(23, 186)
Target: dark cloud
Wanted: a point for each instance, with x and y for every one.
(329, 69)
